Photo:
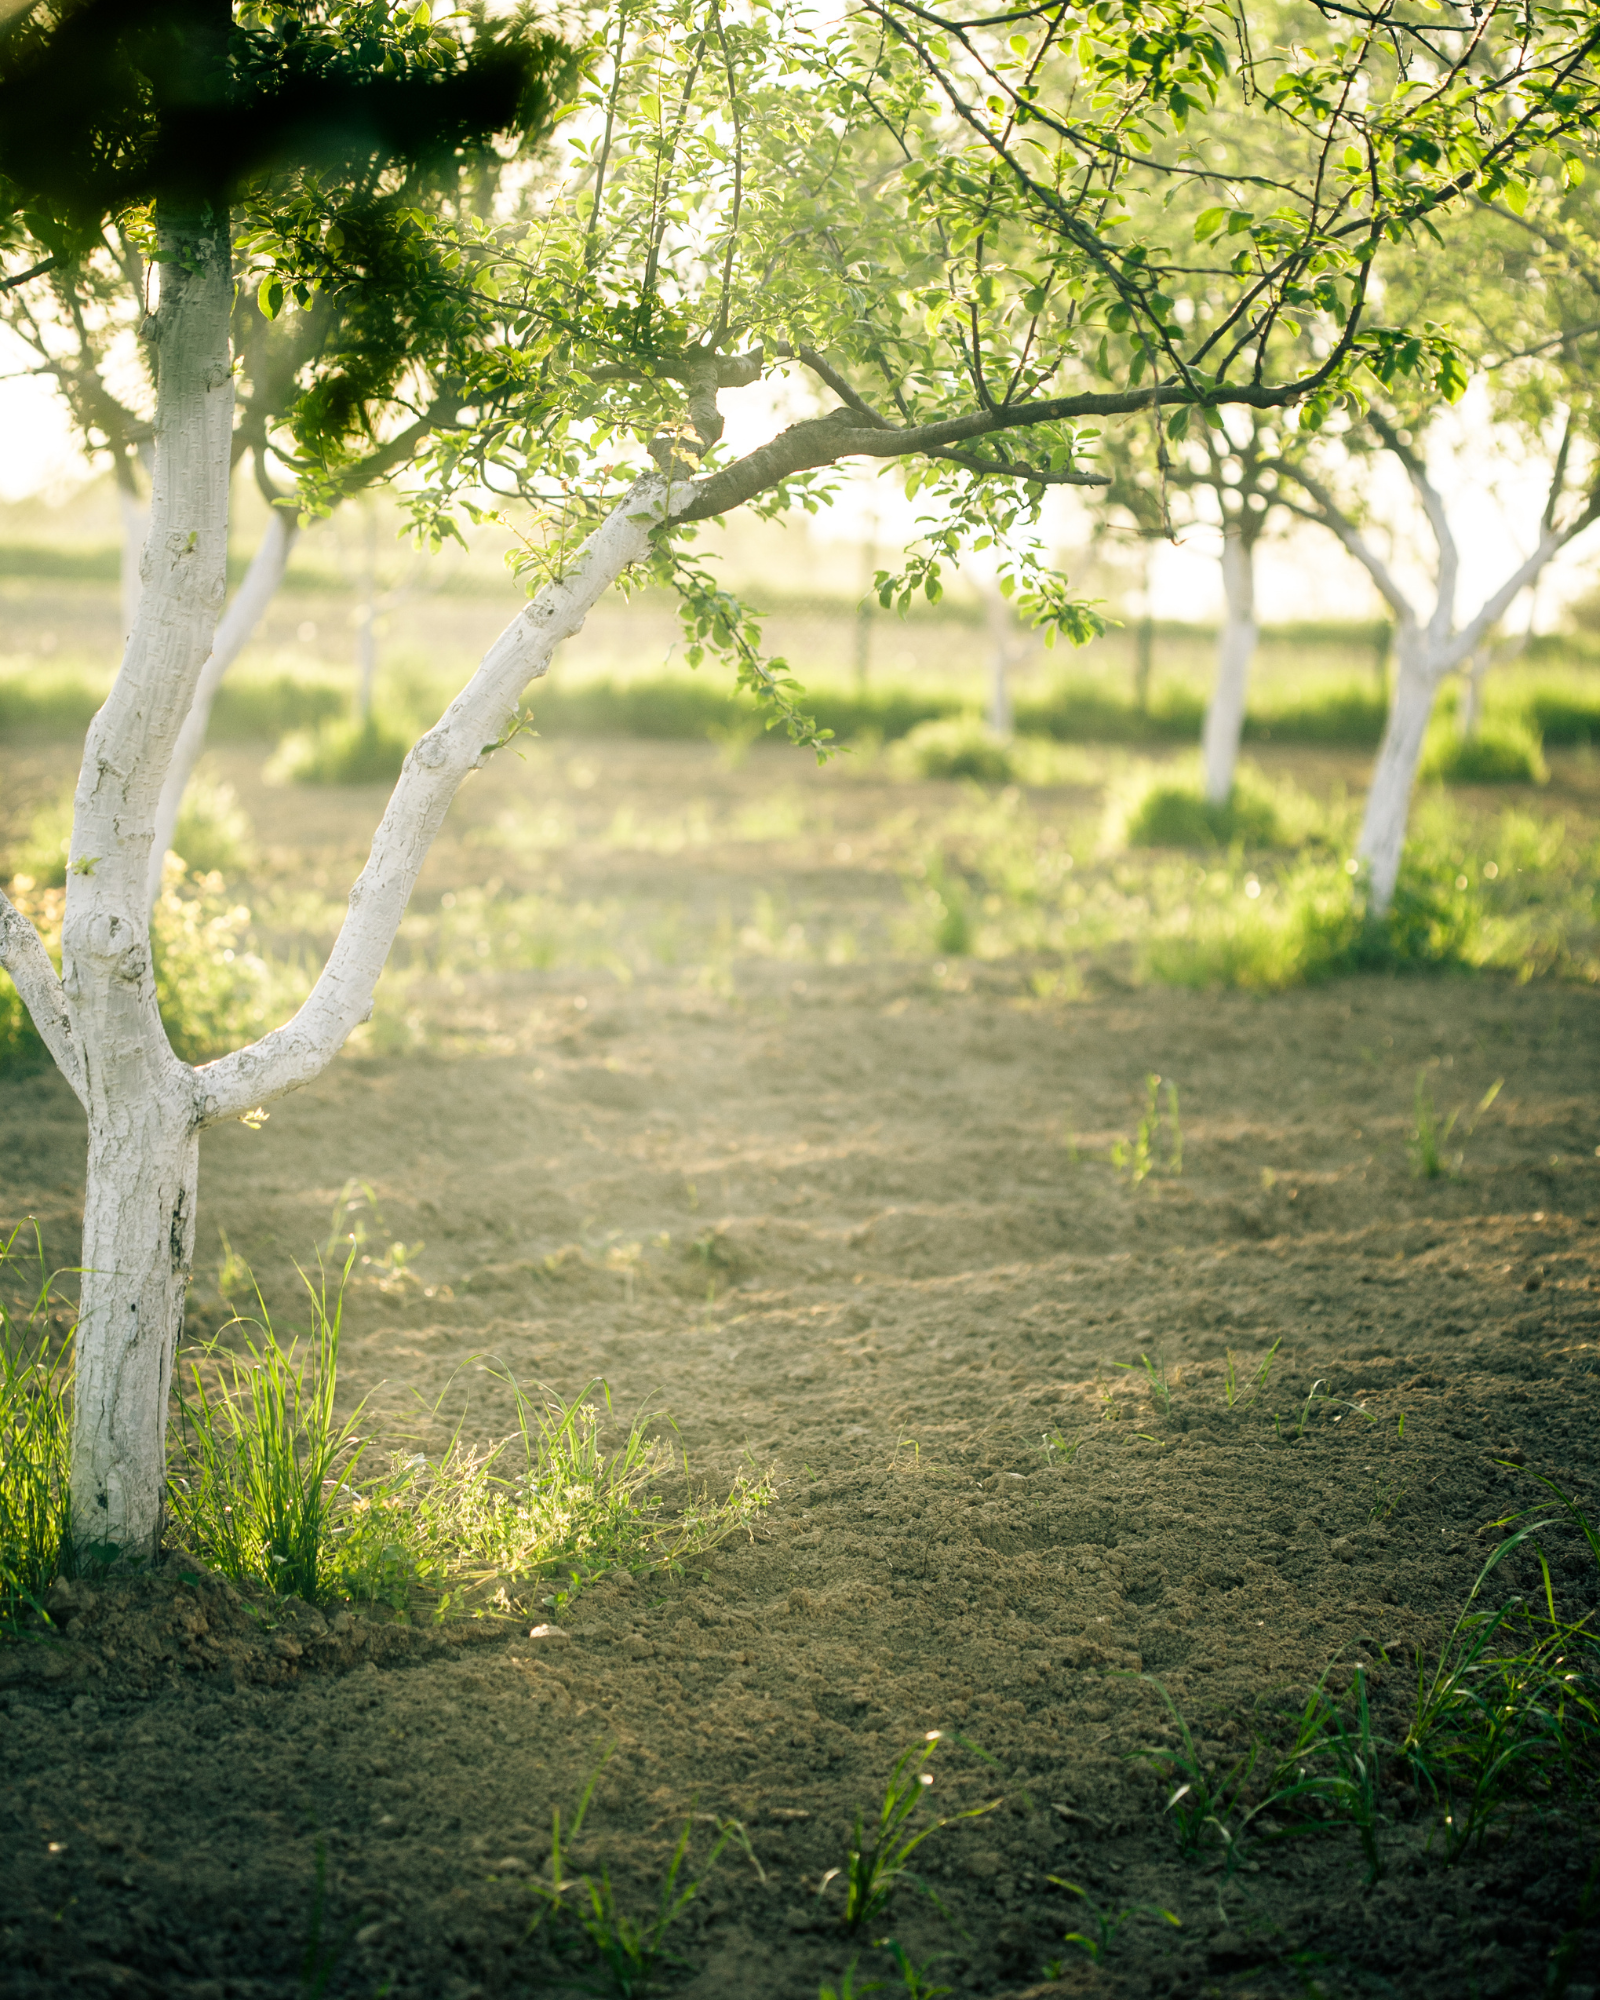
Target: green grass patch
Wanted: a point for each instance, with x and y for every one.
(1342, 718)
(958, 747)
(1504, 750)
(344, 751)
(1080, 710)
(271, 1486)
(1177, 816)
(35, 1436)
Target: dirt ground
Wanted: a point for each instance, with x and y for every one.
(857, 1223)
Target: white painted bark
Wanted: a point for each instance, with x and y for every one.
(139, 1204)
(234, 631)
(134, 514)
(469, 729)
(1236, 649)
(1426, 651)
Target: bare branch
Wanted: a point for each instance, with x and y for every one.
(23, 955)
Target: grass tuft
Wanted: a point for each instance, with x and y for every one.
(959, 746)
(1177, 816)
(1504, 750)
(35, 1440)
(875, 1867)
(343, 751)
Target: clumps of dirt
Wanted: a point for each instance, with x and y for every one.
(121, 1637)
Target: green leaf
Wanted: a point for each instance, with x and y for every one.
(1516, 197)
(270, 296)
(1208, 223)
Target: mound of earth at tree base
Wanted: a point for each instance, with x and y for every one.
(870, 1234)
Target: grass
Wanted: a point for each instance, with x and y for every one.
(271, 1486)
(35, 1439)
(878, 1864)
(1505, 1720)
(1504, 750)
(1178, 816)
(262, 1462)
(960, 747)
(1135, 1161)
(584, 1918)
(1102, 1926)
(345, 751)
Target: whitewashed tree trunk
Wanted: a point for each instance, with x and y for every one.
(234, 632)
(134, 515)
(1236, 648)
(139, 1204)
(1472, 691)
(1394, 775)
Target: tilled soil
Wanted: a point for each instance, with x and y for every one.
(863, 1230)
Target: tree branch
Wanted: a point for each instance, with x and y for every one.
(474, 724)
(1329, 514)
(23, 955)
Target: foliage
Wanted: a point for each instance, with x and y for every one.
(1104, 1926)
(35, 1435)
(1502, 751)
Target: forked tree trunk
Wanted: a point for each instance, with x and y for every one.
(1394, 775)
(234, 633)
(1236, 648)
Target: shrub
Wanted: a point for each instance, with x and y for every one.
(1177, 816)
(343, 752)
(959, 747)
(213, 992)
(1563, 720)
(213, 835)
(1504, 751)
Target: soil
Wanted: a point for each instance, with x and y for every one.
(858, 1224)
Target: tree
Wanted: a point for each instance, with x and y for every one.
(174, 113)
(743, 194)
(1521, 285)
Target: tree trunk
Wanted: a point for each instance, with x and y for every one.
(1383, 828)
(138, 1239)
(367, 624)
(135, 516)
(142, 1103)
(234, 632)
(1235, 651)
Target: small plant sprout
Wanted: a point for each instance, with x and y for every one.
(1429, 1139)
(1057, 1449)
(1155, 1378)
(1230, 1376)
(1136, 1160)
(875, 1868)
(1201, 1804)
(914, 1981)
(849, 1987)
(586, 1920)
(1101, 1926)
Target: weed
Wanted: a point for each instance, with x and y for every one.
(1514, 1699)
(875, 1869)
(1332, 1771)
(261, 1461)
(1056, 1449)
(1104, 1926)
(1156, 1378)
(1177, 816)
(535, 1517)
(848, 1989)
(35, 1441)
(1429, 1139)
(1201, 1804)
(1137, 1161)
(587, 1919)
(914, 1981)
(1230, 1376)
(1386, 1497)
